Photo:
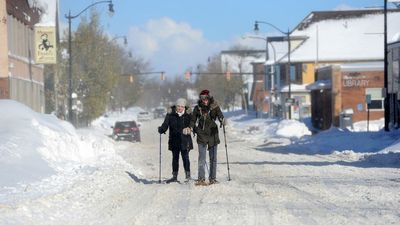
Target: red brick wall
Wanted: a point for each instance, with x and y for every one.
(353, 86)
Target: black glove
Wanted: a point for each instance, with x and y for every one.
(160, 130)
(222, 122)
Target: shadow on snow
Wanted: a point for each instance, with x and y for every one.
(390, 160)
(139, 180)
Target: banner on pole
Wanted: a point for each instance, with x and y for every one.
(45, 45)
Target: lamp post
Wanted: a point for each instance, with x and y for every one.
(288, 78)
(70, 17)
(385, 70)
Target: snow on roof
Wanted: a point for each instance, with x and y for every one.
(345, 38)
(372, 66)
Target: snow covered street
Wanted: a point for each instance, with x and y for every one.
(269, 188)
(319, 179)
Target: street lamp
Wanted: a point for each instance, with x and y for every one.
(288, 78)
(70, 17)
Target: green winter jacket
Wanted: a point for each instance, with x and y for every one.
(203, 123)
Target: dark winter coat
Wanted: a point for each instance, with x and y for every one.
(203, 122)
(175, 123)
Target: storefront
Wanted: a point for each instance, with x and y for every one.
(355, 88)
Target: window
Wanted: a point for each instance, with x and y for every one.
(376, 103)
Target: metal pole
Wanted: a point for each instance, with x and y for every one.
(226, 152)
(273, 82)
(289, 77)
(386, 100)
(159, 170)
(70, 117)
(368, 118)
(272, 97)
(266, 79)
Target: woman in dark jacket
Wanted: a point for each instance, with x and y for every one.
(180, 141)
(204, 126)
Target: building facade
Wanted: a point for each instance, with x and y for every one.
(20, 78)
(353, 89)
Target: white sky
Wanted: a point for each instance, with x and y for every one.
(51, 173)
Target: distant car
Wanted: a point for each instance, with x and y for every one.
(144, 116)
(159, 112)
(126, 130)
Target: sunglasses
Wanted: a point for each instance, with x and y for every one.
(204, 97)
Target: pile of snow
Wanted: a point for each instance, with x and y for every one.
(366, 141)
(264, 129)
(292, 128)
(37, 147)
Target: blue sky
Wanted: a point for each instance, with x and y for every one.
(175, 35)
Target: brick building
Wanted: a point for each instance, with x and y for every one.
(345, 87)
(20, 79)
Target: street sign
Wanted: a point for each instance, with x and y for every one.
(290, 100)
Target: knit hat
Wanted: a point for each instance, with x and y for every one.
(181, 102)
(204, 94)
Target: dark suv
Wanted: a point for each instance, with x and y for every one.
(126, 130)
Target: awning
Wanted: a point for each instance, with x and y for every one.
(320, 84)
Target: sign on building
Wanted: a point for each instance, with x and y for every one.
(45, 45)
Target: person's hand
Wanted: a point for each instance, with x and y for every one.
(187, 131)
(160, 130)
(223, 122)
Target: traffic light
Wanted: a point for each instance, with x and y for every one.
(228, 75)
(187, 75)
(162, 76)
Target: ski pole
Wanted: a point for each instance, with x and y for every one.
(159, 175)
(226, 151)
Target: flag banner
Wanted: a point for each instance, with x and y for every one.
(45, 45)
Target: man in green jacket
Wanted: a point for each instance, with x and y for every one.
(203, 123)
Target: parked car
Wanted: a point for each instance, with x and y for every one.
(144, 116)
(126, 130)
(159, 112)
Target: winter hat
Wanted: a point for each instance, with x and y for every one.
(181, 102)
(204, 94)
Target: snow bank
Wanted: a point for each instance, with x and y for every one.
(34, 146)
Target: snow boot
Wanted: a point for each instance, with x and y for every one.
(174, 178)
(187, 173)
(213, 181)
(201, 182)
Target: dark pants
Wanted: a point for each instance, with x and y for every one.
(175, 160)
